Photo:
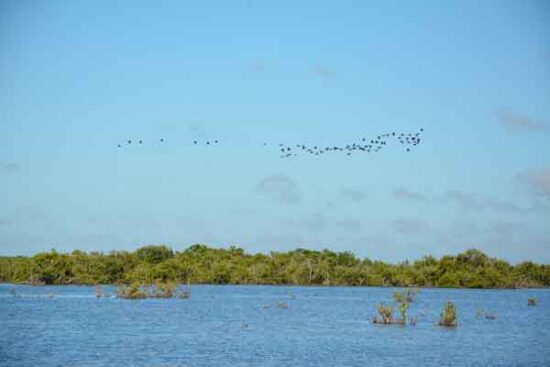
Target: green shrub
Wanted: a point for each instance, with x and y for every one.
(154, 254)
(203, 264)
(448, 316)
(386, 313)
(133, 291)
(404, 299)
(157, 290)
(403, 307)
(406, 296)
(161, 290)
(400, 297)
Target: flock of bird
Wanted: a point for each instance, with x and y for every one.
(362, 145)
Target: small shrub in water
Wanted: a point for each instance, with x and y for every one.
(406, 296)
(400, 297)
(448, 316)
(162, 290)
(403, 307)
(531, 301)
(386, 314)
(404, 300)
(132, 291)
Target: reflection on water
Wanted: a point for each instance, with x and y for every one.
(248, 326)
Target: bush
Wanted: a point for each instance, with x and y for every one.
(154, 254)
(161, 290)
(404, 300)
(403, 307)
(157, 290)
(406, 296)
(133, 291)
(448, 316)
(386, 314)
(203, 264)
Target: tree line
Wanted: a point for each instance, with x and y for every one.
(203, 264)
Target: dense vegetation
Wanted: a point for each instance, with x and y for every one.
(403, 300)
(203, 264)
(157, 290)
(448, 315)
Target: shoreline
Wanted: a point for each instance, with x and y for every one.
(276, 285)
(201, 264)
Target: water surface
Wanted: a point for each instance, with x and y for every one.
(242, 326)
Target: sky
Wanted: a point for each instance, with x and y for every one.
(79, 77)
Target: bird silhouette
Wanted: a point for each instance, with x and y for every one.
(362, 144)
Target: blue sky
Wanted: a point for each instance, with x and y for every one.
(78, 77)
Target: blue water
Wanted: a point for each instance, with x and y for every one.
(242, 326)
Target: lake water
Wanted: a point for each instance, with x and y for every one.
(242, 326)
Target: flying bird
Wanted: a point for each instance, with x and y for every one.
(407, 140)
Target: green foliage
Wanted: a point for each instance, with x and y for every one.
(403, 308)
(403, 300)
(448, 316)
(154, 254)
(406, 296)
(51, 268)
(161, 290)
(203, 264)
(133, 291)
(386, 313)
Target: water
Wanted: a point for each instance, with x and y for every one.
(242, 326)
